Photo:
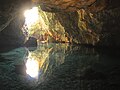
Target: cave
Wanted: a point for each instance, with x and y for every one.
(59, 44)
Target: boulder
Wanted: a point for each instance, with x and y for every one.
(31, 42)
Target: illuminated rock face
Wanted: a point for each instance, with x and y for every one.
(79, 27)
(93, 22)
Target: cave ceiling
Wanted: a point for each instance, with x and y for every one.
(71, 5)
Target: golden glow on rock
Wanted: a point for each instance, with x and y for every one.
(31, 16)
(44, 26)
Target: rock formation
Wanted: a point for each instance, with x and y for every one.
(11, 22)
(93, 22)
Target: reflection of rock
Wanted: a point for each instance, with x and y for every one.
(31, 48)
(31, 42)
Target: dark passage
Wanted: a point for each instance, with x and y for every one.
(59, 67)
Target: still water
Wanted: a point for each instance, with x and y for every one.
(59, 67)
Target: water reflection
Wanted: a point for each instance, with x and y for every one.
(59, 67)
(35, 61)
(32, 67)
(41, 62)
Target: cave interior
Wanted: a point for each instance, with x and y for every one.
(59, 44)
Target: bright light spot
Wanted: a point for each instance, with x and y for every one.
(31, 16)
(32, 67)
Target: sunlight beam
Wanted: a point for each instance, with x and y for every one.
(31, 16)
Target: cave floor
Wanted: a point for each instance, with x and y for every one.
(59, 67)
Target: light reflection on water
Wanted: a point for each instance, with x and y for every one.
(39, 64)
(32, 67)
(59, 66)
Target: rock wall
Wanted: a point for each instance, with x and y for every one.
(109, 29)
(64, 27)
(93, 22)
(11, 21)
(12, 35)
